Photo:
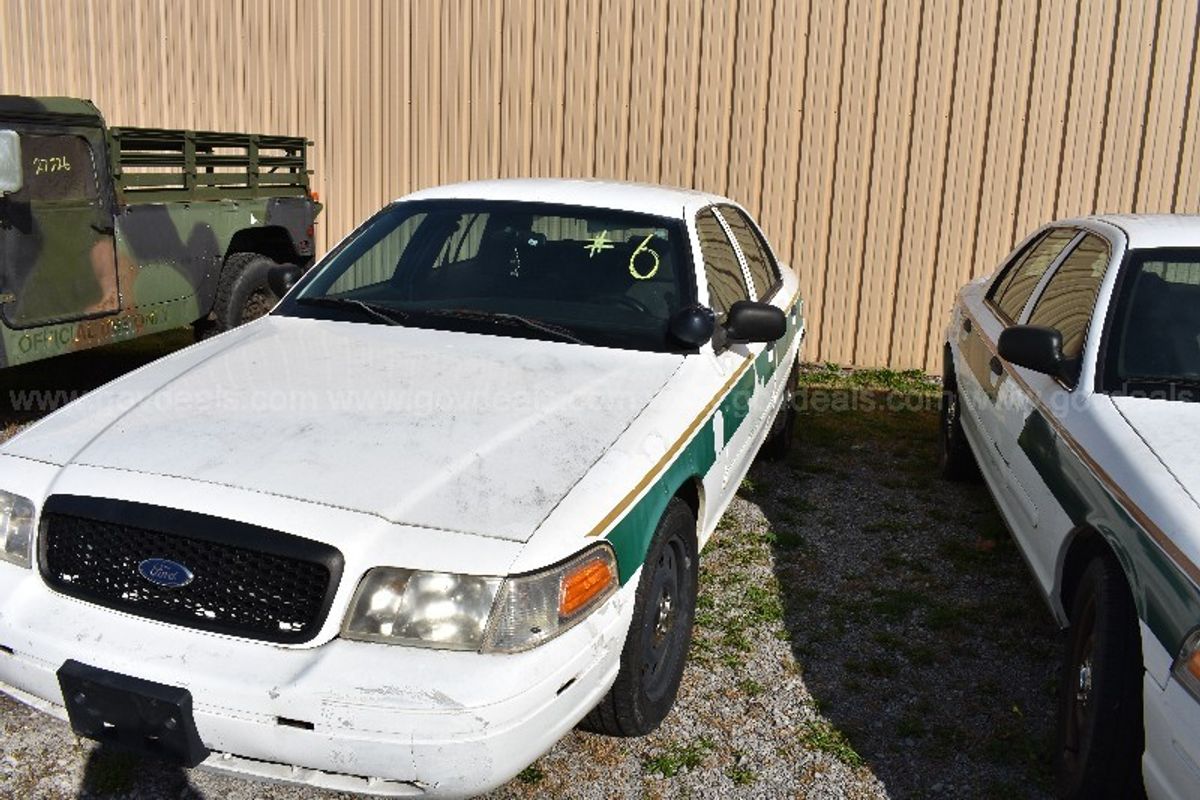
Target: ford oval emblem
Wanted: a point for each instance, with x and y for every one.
(165, 572)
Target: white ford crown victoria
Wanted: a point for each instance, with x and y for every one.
(1073, 383)
(438, 507)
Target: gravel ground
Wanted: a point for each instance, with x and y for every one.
(865, 630)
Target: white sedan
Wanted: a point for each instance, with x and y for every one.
(1072, 381)
(442, 504)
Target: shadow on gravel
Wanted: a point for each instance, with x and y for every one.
(111, 773)
(911, 614)
(30, 391)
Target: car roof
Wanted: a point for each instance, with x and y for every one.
(1153, 230)
(645, 198)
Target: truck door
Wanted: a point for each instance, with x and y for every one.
(57, 255)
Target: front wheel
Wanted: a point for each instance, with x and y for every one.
(1100, 736)
(659, 635)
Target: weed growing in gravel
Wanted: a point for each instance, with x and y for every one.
(740, 775)
(789, 540)
(531, 775)
(763, 604)
(677, 757)
(819, 735)
(909, 381)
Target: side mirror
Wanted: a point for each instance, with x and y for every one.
(11, 177)
(754, 322)
(282, 278)
(1033, 346)
(694, 325)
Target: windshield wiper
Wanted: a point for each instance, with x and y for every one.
(391, 316)
(504, 318)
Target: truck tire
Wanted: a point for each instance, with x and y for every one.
(783, 428)
(660, 633)
(242, 294)
(956, 462)
(1100, 734)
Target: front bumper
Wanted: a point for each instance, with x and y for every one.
(1171, 763)
(385, 720)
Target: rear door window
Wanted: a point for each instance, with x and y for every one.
(1013, 288)
(722, 269)
(758, 260)
(1067, 302)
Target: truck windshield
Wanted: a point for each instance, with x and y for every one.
(1154, 344)
(568, 273)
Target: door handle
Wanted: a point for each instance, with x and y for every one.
(966, 325)
(995, 366)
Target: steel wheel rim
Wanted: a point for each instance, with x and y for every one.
(660, 654)
(1080, 687)
(949, 415)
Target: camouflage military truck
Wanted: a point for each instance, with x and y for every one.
(111, 233)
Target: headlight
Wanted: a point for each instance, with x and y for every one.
(427, 609)
(16, 529)
(468, 612)
(1187, 664)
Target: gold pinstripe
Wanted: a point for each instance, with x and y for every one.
(1157, 534)
(669, 456)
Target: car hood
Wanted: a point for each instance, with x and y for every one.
(444, 430)
(1171, 429)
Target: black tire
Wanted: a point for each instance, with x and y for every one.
(660, 633)
(1100, 734)
(783, 428)
(242, 294)
(956, 462)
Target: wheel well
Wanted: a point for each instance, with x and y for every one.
(1087, 543)
(691, 492)
(271, 241)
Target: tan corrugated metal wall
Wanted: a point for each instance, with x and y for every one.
(892, 149)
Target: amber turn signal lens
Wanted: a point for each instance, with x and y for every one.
(1193, 665)
(583, 583)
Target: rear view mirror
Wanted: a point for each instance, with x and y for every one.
(11, 177)
(282, 278)
(1034, 347)
(754, 322)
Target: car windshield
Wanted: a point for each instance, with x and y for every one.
(567, 273)
(1154, 345)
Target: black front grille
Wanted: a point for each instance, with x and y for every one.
(245, 580)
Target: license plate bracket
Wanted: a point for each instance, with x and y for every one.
(131, 713)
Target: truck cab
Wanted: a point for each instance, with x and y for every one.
(111, 233)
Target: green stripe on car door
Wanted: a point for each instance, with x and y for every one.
(630, 536)
(1166, 599)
